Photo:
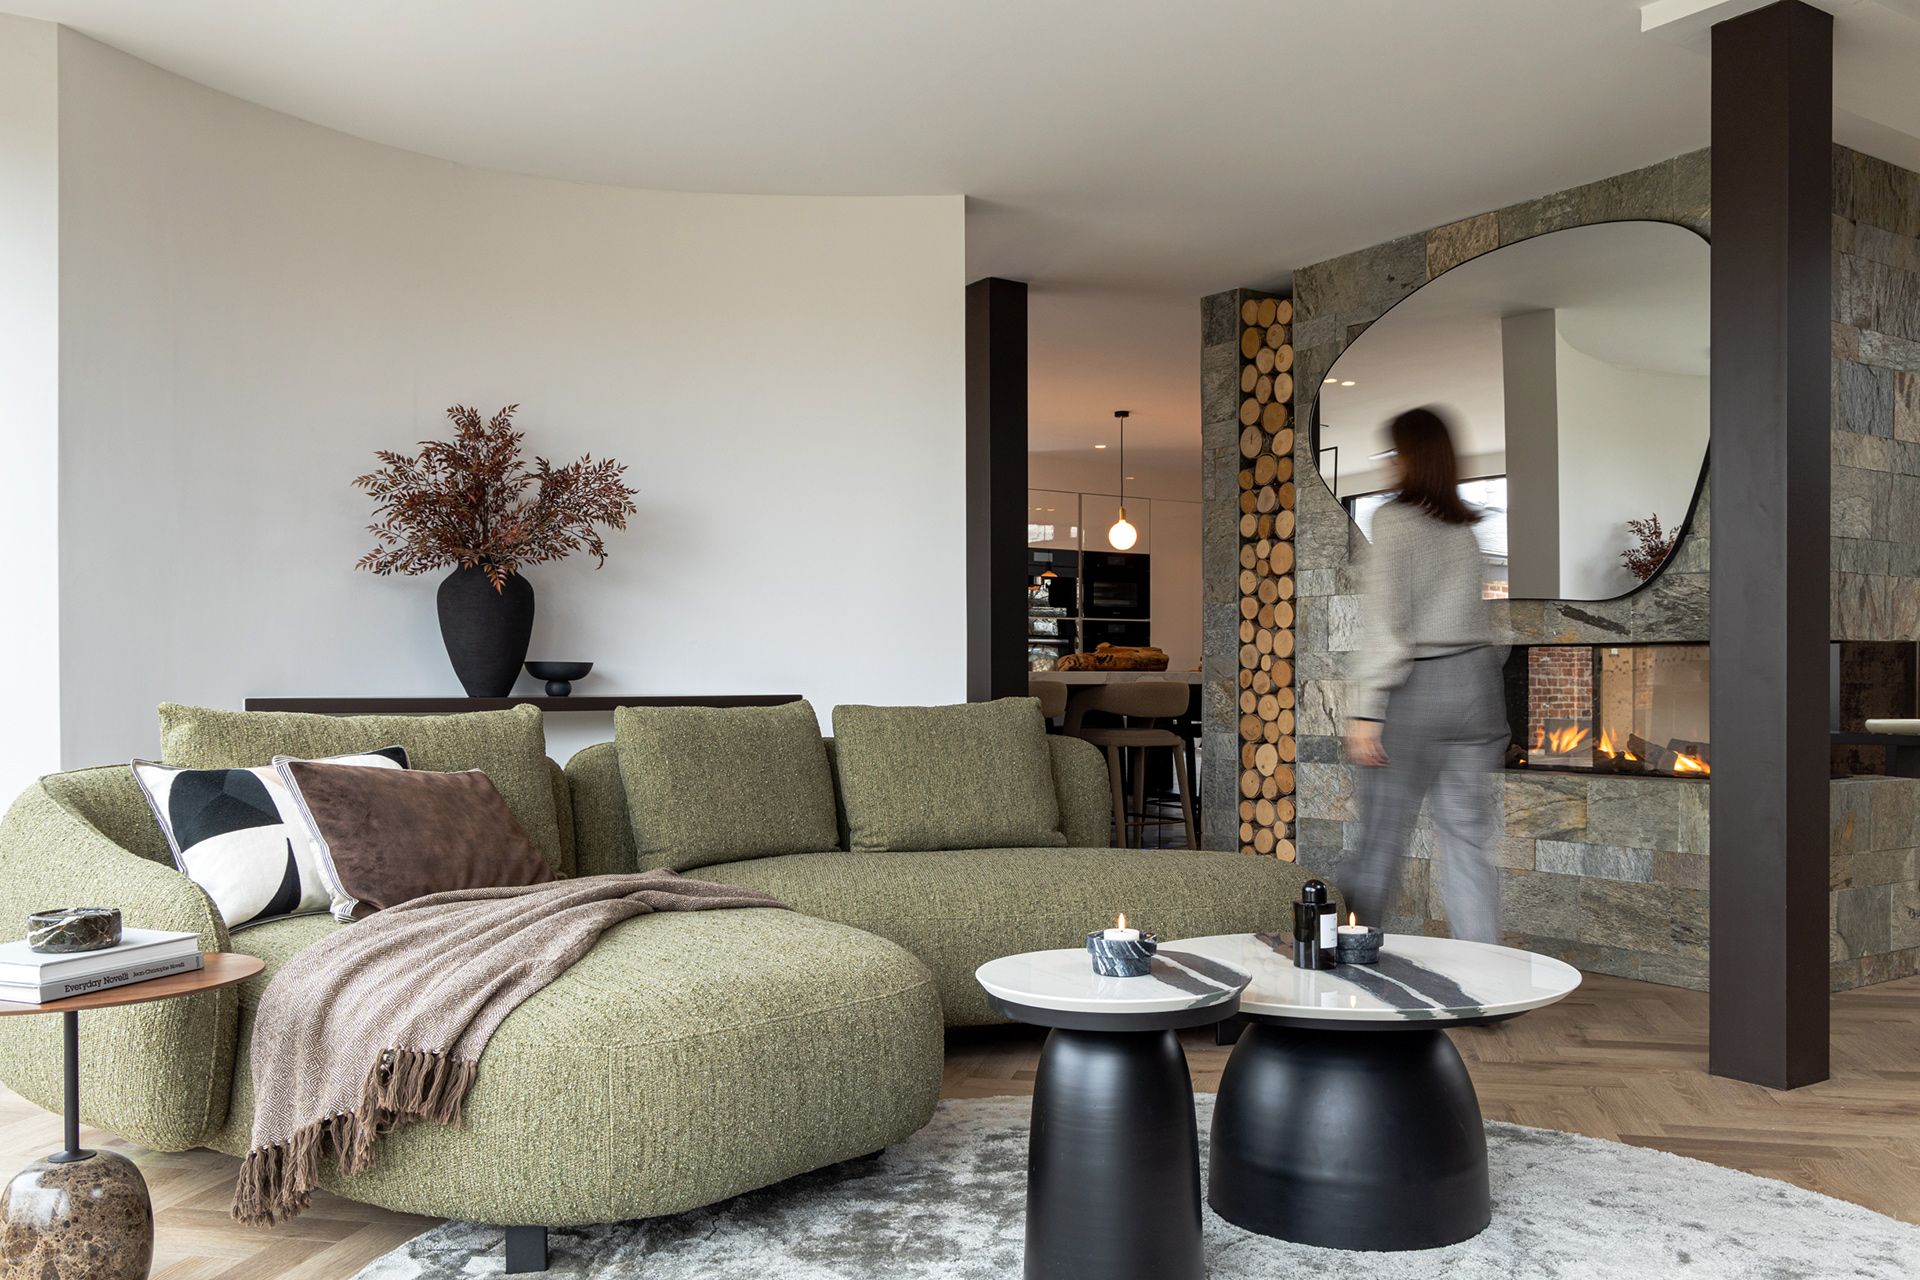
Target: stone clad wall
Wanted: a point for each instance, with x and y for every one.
(1876, 542)
(1876, 399)
(1220, 566)
(1875, 926)
(1608, 873)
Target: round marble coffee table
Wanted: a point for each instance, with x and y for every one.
(1113, 1163)
(1345, 1117)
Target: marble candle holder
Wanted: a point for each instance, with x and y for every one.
(65, 930)
(1113, 959)
(1358, 946)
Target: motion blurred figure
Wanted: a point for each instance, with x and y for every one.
(1429, 717)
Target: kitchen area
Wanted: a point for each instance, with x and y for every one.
(1113, 617)
(1113, 550)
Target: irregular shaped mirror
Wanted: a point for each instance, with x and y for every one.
(1573, 368)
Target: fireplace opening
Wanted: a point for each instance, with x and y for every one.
(1872, 682)
(1633, 709)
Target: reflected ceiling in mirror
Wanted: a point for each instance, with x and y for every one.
(1573, 369)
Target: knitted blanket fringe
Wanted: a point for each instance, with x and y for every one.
(404, 1085)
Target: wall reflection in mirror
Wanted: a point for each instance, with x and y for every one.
(1573, 368)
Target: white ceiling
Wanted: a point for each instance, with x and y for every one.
(1631, 294)
(1124, 156)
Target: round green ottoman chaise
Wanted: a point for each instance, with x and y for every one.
(687, 1058)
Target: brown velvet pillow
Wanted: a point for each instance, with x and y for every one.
(385, 836)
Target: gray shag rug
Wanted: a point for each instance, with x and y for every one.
(949, 1202)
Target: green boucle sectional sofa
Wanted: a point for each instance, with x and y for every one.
(688, 1058)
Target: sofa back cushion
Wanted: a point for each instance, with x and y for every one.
(711, 784)
(974, 776)
(510, 747)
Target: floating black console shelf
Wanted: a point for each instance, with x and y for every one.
(449, 706)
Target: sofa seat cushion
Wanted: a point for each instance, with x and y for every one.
(687, 1058)
(510, 747)
(958, 909)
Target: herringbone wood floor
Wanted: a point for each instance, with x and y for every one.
(1621, 1060)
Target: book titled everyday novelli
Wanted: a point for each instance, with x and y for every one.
(32, 977)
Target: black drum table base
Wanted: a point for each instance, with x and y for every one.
(1113, 1172)
(1362, 1139)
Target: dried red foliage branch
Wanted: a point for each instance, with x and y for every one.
(1652, 547)
(464, 502)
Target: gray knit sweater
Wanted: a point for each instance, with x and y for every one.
(1424, 579)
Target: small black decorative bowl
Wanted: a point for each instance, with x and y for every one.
(1359, 948)
(1122, 959)
(65, 930)
(558, 675)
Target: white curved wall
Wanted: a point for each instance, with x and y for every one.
(1629, 439)
(250, 305)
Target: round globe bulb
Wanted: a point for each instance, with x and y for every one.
(1123, 535)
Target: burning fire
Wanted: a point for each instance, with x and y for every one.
(1551, 745)
(1607, 746)
(1566, 741)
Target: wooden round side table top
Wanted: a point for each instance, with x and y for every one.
(86, 1215)
(218, 969)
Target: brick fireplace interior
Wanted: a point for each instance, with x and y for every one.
(1628, 709)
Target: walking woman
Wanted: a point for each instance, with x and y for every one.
(1428, 717)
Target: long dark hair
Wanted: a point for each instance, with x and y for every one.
(1430, 470)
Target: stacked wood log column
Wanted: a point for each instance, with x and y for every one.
(1267, 744)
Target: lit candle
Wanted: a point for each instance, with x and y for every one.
(1120, 932)
(1358, 943)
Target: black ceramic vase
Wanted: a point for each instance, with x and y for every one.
(486, 631)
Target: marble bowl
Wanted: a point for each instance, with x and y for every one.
(1122, 959)
(66, 930)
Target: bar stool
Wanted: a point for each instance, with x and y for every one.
(1053, 699)
(1144, 705)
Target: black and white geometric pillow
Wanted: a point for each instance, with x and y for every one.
(238, 834)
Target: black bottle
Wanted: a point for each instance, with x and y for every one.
(1307, 952)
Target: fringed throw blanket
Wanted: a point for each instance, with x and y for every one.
(383, 1023)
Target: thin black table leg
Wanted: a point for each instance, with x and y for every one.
(70, 1033)
(1113, 1169)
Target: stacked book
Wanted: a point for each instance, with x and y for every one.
(35, 977)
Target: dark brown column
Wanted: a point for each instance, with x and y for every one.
(996, 489)
(1772, 286)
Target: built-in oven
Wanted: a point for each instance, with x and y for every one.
(1127, 634)
(1114, 585)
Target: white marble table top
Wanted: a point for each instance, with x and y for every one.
(1064, 980)
(1418, 979)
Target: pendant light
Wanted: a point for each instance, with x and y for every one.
(1122, 535)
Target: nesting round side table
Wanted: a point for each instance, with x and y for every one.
(1113, 1163)
(1345, 1117)
(85, 1215)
